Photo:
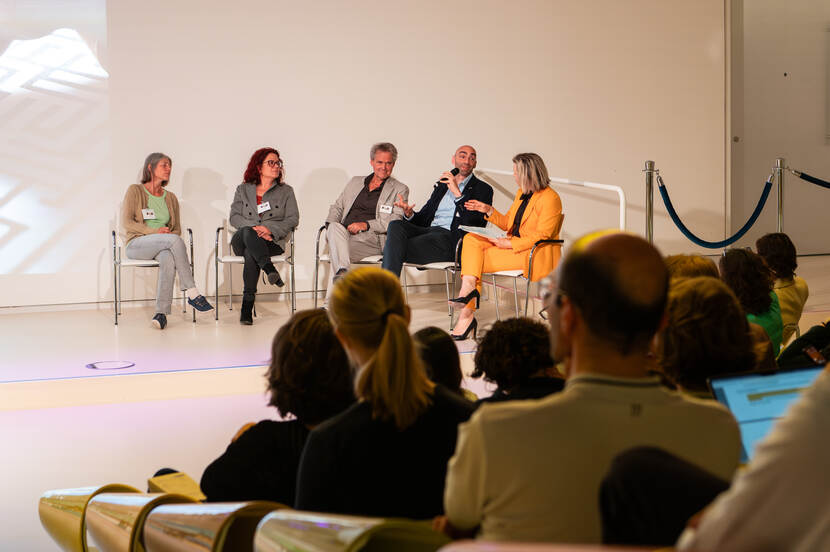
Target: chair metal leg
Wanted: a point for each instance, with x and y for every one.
(230, 289)
(120, 287)
(527, 296)
(293, 286)
(496, 297)
(216, 287)
(516, 296)
(115, 291)
(403, 283)
(449, 308)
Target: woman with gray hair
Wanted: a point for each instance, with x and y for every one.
(150, 218)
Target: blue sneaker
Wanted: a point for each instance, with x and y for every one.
(200, 303)
(160, 321)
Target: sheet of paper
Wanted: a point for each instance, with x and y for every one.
(489, 231)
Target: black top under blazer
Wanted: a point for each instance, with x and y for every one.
(475, 189)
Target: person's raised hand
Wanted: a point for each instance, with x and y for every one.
(408, 208)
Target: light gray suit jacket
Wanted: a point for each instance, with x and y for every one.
(385, 210)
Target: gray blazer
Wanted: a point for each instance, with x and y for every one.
(383, 215)
(280, 219)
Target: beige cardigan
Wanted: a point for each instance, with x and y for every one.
(132, 220)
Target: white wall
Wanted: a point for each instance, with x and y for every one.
(596, 88)
(785, 116)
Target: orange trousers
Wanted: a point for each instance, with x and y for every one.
(479, 255)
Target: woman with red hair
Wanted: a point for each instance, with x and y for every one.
(264, 212)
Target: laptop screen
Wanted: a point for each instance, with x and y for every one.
(757, 400)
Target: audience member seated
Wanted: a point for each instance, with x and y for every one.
(799, 353)
(531, 470)
(438, 353)
(309, 378)
(386, 455)
(358, 218)
(706, 333)
(152, 229)
(779, 502)
(779, 253)
(689, 266)
(431, 234)
(264, 212)
(751, 280)
(536, 214)
(515, 355)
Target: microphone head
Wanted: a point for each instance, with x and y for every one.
(455, 171)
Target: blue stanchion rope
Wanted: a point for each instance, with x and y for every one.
(719, 244)
(812, 179)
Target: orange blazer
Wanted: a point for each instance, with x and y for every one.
(542, 219)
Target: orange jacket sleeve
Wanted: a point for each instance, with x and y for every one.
(542, 221)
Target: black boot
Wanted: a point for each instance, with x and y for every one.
(246, 316)
(273, 276)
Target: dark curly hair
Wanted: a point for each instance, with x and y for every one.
(440, 357)
(257, 159)
(749, 277)
(779, 253)
(706, 334)
(309, 375)
(512, 351)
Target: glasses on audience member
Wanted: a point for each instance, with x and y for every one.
(272, 163)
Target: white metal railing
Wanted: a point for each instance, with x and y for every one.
(580, 184)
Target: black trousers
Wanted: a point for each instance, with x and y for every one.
(649, 494)
(257, 252)
(410, 243)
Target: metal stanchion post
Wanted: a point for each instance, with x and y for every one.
(649, 170)
(780, 165)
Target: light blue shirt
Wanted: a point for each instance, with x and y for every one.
(446, 208)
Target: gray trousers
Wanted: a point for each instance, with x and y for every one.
(169, 250)
(346, 248)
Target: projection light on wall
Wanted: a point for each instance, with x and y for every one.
(54, 152)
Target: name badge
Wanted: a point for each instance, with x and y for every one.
(148, 214)
(386, 209)
(262, 207)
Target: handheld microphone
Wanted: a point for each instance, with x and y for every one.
(454, 172)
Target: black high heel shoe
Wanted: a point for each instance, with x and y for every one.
(461, 302)
(473, 326)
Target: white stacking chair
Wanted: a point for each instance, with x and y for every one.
(447, 267)
(326, 258)
(286, 258)
(118, 262)
(517, 275)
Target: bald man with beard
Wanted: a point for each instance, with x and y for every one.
(531, 470)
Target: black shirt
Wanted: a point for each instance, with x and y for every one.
(354, 464)
(260, 465)
(534, 388)
(365, 204)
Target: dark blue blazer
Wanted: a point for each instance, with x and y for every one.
(475, 189)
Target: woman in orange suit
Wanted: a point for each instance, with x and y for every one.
(536, 214)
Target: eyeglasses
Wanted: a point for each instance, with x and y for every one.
(271, 163)
(543, 314)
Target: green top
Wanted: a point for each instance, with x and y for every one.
(159, 207)
(771, 322)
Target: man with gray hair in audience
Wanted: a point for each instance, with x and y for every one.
(531, 470)
(358, 218)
